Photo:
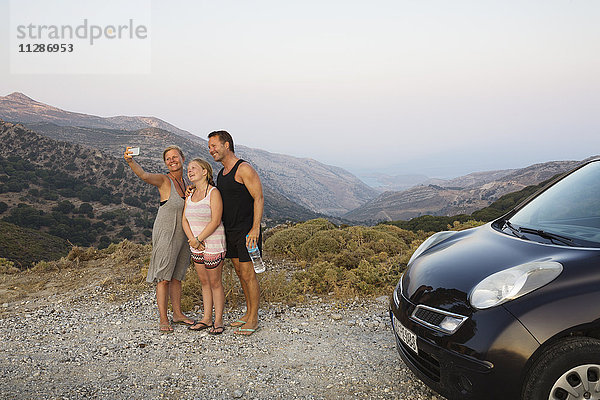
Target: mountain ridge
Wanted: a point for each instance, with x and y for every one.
(479, 191)
(18, 107)
(318, 187)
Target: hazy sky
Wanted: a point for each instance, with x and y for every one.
(442, 88)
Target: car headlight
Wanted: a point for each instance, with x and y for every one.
(398, 291)
(430, 242)
(514, 282)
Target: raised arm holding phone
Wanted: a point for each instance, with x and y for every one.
(170, 250)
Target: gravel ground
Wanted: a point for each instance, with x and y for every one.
(91, 348)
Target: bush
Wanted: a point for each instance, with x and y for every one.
(104, 242)
(126, 233)
(286, 242)
(85, 208)
(349, 260)
(64, 207)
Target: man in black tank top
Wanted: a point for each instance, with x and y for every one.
(243, 205)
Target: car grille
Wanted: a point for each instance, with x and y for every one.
(428, 316)
(433, 318)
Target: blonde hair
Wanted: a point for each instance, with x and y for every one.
(209, 171)
(173, 147)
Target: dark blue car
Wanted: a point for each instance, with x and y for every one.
(511, 309)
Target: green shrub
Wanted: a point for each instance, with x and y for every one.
(347, 260)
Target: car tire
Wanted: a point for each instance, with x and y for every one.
(572, 363)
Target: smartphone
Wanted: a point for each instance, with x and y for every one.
(134, 151)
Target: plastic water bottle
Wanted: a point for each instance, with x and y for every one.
(257, 261)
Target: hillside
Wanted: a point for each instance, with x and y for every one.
(315, 187)
(71, 191)
(152, 141)
(323, 188)
(25, 246)
(462, 195)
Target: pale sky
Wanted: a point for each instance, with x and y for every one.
(442, 88)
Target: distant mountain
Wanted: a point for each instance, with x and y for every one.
(472, 179)
(319, 188)
(386, 183)
(17, 107)
(462, 195)
(98, 167)
(327, 189)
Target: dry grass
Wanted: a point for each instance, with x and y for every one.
(120, 269)
(368, 264)
(274, 286)
(7, 267)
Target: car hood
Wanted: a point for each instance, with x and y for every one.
(444, 275)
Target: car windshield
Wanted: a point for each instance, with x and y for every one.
(569, 210)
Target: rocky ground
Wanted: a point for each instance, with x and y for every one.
(89, 347)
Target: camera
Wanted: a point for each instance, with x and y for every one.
(134, 151)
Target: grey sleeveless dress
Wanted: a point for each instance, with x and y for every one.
(170, 250)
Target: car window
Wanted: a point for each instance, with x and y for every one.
(571, 207)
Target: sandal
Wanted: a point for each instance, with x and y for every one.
(237, 322)
(203, 326)
(246, 331)
(216, 330)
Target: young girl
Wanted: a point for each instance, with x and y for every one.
(206, 237)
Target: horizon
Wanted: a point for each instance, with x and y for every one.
(397, 88)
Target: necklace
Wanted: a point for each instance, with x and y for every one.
(181, 186)
(205, 190)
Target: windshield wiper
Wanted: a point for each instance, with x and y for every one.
(514, 230)
(549, 235)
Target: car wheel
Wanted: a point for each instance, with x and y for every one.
(567, 370)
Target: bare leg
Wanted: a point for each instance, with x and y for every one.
(175, 293)
(162, 299)
(207, 298)
(215, 276)
(245, 271)
(244, 318)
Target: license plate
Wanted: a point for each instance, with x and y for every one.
(407, 337)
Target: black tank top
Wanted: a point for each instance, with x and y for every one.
(238, 203)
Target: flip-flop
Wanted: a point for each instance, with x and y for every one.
(202, 327)
(183, 322)
(237, 322)
(168, 330)
(213, 331)
(237, 332)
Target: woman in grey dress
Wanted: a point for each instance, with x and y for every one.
(170, 250)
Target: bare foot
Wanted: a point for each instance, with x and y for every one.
(217, 330)
(182, 319)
